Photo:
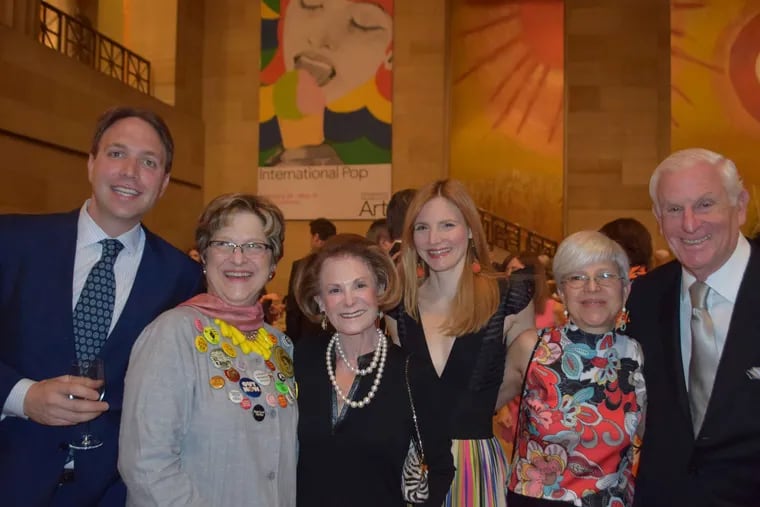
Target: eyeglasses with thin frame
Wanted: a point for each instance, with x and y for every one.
(604, 279)
(250, 249)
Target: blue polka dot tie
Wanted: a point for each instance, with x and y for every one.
(93, 312)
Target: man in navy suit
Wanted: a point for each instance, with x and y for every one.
(45, 261)
(697, 320)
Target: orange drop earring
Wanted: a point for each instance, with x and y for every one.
(475, 266)
(622, 319)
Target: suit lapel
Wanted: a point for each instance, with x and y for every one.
(60, 270)
(670, 317)
(741, 350)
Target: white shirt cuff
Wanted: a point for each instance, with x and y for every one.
(14, 405)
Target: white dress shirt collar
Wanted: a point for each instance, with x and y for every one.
(90, 232)
(724, 281)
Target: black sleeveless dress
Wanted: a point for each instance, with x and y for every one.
(469, 385)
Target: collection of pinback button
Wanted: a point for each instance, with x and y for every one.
(249, 384)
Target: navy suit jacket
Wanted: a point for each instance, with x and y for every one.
(36, 342)
(721, 465)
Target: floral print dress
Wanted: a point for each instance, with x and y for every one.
(581, 416)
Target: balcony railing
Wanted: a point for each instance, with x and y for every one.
(76, 40)
(513, 238)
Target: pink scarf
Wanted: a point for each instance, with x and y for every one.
(245, 318)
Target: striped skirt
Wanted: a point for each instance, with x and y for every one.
(480, 479)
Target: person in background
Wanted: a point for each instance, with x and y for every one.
(378, 234)
(635, 239)
(548, 312)
(395, 215)
(583, 403)
(194, 254)
(209, 404)
(296, 324)
(458, 319)
(274, 309)
(661, 256)
(99, 256)
(696, 318)
(356, 420)
(545, 306)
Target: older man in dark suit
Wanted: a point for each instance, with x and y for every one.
(697, 319)
(78, 285)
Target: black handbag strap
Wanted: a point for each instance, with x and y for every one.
(418, 442)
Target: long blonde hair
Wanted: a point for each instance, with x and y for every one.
(465, 316)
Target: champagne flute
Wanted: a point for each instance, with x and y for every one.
(91, 368)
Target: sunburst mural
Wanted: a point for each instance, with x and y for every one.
(507, 108)
(715, 84)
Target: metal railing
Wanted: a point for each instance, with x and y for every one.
(513, 238)
(77, 40)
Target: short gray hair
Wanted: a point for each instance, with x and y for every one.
(582, 248)
(690, 157)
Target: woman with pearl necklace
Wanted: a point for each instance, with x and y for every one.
(356, 420)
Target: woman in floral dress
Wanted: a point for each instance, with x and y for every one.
(583, 397)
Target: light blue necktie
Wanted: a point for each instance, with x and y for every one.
(94, 310)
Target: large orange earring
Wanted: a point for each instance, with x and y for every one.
(420, 270)
(622, 320)
(475, 266)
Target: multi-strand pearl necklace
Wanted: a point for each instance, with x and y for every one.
(375, 357)
(378, 360)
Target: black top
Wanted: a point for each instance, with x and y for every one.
(355, 458)
(474, 372)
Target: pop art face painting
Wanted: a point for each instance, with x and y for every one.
(341, 43)
(326, 82)
(325, 106)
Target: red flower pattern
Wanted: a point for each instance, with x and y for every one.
(572, 440)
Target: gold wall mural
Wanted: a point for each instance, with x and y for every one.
(506, 121)
(715, 85)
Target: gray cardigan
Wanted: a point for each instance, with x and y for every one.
(186, 443)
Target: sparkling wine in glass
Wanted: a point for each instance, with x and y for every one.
(91, 368)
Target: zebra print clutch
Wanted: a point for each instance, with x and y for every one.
(414, 474)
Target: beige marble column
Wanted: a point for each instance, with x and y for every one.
(617, 79)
